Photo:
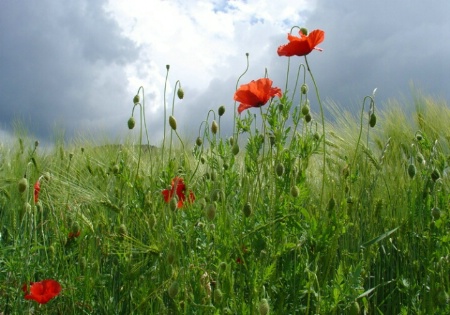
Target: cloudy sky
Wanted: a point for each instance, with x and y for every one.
(75, 65)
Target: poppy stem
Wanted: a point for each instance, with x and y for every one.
(322, 116)
(234, 111)
(165, 115)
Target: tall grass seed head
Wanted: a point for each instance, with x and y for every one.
(23, 184)
(180, 93)
(221, 110)
(247, 209)
(214, 127)
(136, 99)
(172, 122)
(131, 123)
(264, 307)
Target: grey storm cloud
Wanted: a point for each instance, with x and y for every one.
(61, 62)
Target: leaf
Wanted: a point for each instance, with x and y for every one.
(379, 238)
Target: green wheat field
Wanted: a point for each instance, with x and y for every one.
(304, 208)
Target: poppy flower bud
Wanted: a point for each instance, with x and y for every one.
(221, 110)
(231, 140)
(218, 296)
(305, 109)
(235, 149)
(180, 93)
(136, 99)
(247, 210)
(214, 127)
(211, 212)
(75, 228)
(23, 184)
(172, 123)
(308, 117)
(279, 169)
(264, 307)
(170, 257)
(304, 88)
(295, 191)
(173, 204)
(131, 123)
(223, 266)
(331, 204)
(372, 120)
(411, 170)
(354, 309)
(436, 213)
(173, 289)
(435, 175)
(304, 31)
(199, 141)
(152, 221)
(36, 144)
(122, 230)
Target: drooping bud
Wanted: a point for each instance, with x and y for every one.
(435, 175)
(214, 127)
(264, 307)
(305, 109)
(308, 117)
(279, 169)
(173, 289)
(122, 231)
(180, 93)
(131, 123)
(354, 309)
(218, 296)
(211, 212)
(372, 120)
(199, 141)
(295, 191)
(247, 210)
(136, 99)
(304, 88)
(23, 184)
(235, 149)
(221, 110)
(436, 213)
(172, 123)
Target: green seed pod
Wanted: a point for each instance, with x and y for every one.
(247, 210)
(295, 191)
(304, 88)
(211, 212)
(411, 170)
(354, 309)
(199, 141)
(136, 99)
(218, 296)
(23, 184)
(235, 149)
(305, 109)
(435, 175)
(180, 93)
(122, 230)
(131, 123)
(436, 213)
(173, 289)
(214, 127)
(221, 110)
(308, 117)
(372, 120)
(331, 204)
(264, 307)
(279, 169)
(172, 123)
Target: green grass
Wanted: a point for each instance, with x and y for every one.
(374, 239)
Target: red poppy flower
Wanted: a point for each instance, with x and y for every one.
(37, 189)
(43, 291)
(303, 45)
(178, 189)
(73, 234)
(255, 94)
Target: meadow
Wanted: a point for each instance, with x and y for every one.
(293, 213)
